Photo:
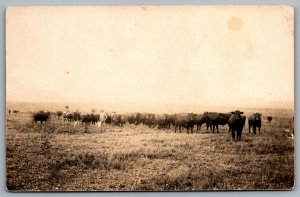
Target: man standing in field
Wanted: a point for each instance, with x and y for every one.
(102, 118)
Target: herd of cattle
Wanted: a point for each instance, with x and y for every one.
(235, 120)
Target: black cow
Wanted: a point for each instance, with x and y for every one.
(213, 119)
(161, 121)
(87, 118)
(108, 119)
(149, 121)
(118, 119)
(236, 124)
(139, 118)
(41, 116)
(59, 114)
(269, 118)
(254, 121)
(76, 116)
(95, 118)
(184, 120)
(69, 117)
(90, 118)
(198, 120)
(170, 120)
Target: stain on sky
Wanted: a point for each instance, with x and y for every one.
(234, 23)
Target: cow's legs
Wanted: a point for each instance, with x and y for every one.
(233, 134)
(188, 129)
(239, 135)
(199, 127)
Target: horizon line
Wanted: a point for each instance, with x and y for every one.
(283, 104)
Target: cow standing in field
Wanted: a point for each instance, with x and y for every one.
(213, 119)
(131, 118)
(59, 114)
(254, 121)
(150, 120)
(76, 118)
(139, 118)
(171, 120)
(90, 118)
(117, 119)
(41, 116)
(108, 119)
(161, 121)
(86, 119)
(199, 121)
(65, 116)
(269, 119)
(69, 117)
(95, 118)
(236, 124)
(184, 120)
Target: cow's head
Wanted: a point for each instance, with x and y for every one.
(165, 116)
(237, 114)
(257, 116)
(191, 116)
(204, 116)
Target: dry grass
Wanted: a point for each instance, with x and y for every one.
(58, 156)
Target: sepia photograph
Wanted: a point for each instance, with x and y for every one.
(150, 98)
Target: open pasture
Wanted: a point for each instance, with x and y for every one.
(57, 156)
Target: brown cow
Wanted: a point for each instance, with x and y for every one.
(214, 119)
(254, 121)
(184, 120)
(236, 124)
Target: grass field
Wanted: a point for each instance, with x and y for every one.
(57, 156)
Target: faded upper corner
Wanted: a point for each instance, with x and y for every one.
(289, 13)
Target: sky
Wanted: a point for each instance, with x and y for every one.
(195, 55)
